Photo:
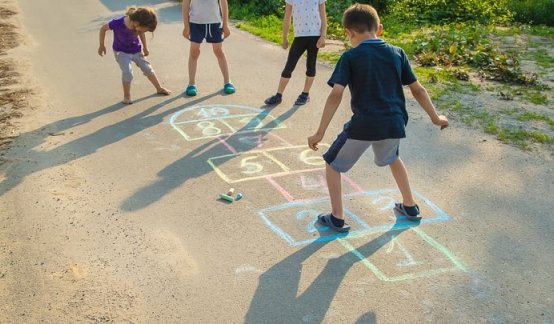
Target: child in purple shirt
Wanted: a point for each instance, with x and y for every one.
(127, 46)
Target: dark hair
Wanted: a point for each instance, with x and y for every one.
(361, 18)
(146, 17)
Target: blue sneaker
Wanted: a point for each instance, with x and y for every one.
(273, 100)
(191, 90)
(302, 99)
(229, 88)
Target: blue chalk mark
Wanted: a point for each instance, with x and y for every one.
(389, 205)
(311, 227)
(221, 114)
(363, 229)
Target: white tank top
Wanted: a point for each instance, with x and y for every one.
(205, 12)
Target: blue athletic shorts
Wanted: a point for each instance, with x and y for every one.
(213, 33)
(345, 152)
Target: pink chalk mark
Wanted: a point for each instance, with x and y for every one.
(282, 190)
(351, 182)
(224, 142)
(309, 183)
(280, 138)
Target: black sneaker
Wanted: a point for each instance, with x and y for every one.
(302, 99)
(273, 100)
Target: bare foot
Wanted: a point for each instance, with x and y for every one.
(127, 101)
(164, 91)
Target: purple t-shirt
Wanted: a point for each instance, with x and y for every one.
(124, 39)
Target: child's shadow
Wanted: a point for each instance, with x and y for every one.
(276, 298)
(194, 164)
(37, 160)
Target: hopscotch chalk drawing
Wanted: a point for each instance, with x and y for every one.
(297, 173)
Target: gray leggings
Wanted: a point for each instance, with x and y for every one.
(124, 60)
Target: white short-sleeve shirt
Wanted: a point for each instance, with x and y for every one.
(305, 17)
(205, 12)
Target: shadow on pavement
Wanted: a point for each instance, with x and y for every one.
(276, 298)
(168, 11)
(193, 165)
(32, 160)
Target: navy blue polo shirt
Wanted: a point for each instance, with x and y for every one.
(375, 73)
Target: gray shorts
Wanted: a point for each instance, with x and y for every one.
(345, 152)
(124, 60)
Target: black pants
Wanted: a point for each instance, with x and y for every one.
(298, 47)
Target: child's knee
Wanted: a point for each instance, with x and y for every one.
(194, 52)
(287, 74)
(310, 70)
(127, 76)
(218, 51)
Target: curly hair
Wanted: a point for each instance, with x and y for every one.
(145, 16)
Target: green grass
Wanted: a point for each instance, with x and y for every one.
(537, 30)
(445, 83)
(268, 27)
(542, 58)
(527, 116)
(329, 57)
(537, 98)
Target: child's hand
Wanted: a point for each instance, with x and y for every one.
(145, 52)
(226, 31)
(320, 42)
(285, 43)
(442, 121)
(314, 140)
(186, 32)
(102, 50)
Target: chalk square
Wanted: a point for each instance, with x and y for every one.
(249, 141)
(253, 123)
(257, 164)
(402, 254)
(203, 129)
(300, 157)
(376, 208)
(309, 185)
(295, 222)
(245, 166)
(210, 121)
(371, 210)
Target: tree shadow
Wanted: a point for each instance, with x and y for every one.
(168, 11)
(194, 164)
(35, 160)
(276, 299)
(119, 5)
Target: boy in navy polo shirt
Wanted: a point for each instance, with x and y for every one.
(375, 72)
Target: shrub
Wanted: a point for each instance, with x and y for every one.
(447, 11)
(532, 11)
(461, 44)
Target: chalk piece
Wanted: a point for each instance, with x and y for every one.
(231, 192)
(239, 196)
(226, 197)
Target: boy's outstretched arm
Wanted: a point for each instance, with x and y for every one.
(186, 17)
(224, 6)
(420, 94)
(331, 105)
(102, 38)
(286, 25)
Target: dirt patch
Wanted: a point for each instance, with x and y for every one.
(12, 97)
